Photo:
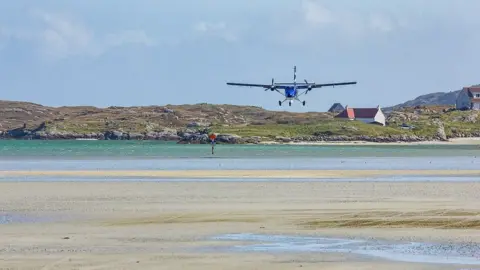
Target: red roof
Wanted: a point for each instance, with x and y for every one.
(365, 112)
(353, 113)
(347, 113)
(473, 89)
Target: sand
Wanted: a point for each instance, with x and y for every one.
(453, 141)
(147, 225)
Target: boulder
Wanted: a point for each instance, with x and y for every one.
(115, 135)
(228, 138)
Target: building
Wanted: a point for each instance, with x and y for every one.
(367, 115)
(468, 98)
(336, 108)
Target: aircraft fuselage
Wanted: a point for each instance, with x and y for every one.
(290, 92)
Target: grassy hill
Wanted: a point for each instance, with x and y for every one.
(191, 122)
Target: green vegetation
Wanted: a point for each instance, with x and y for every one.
(425, 123)
(334, 127)
(245, 121)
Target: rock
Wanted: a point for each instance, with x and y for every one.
(135, 136)
(151, 135)
(167, 136)
(228, 138)
(252, 140)
(283, 139)
(441, 133)
(115, 135)
(196, 125)
(41, 135)
(470, 118)
(195, 138)
(18, 132)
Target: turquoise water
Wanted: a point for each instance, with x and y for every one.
(152, 155)
(157, 149)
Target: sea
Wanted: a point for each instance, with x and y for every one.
(159, 155)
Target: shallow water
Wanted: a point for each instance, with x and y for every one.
(391, 163)
(8, 218)
(457, 179)
(72, 149)
(466, 253)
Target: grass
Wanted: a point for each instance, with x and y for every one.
(324, 127)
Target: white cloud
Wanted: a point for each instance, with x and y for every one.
(219, 29)
(346, 23)
(316, 14)
(60, 36)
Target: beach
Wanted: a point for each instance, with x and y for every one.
(474, 141)
(348, 212)
(161, 225)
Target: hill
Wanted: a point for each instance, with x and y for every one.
(438, 98)
(236, 124)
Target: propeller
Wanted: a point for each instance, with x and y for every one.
(309, 86)
(273, 85)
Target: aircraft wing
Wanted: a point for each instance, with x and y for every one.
(318, 85)
(255, 85)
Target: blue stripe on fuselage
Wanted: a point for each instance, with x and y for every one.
(290, 92)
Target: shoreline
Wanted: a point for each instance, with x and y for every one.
(451, 141)
(277, 174)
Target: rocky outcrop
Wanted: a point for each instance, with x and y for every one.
(199, 135)
(201, 138)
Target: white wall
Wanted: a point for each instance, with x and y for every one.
(366, 120)
(476, 106)
(463, 100)
(380, 117)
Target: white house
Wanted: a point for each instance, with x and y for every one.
(468, 98)
(367, 115)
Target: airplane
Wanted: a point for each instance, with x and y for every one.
(291, 92)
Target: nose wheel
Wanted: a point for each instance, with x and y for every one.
(303, 103)
(279, 103)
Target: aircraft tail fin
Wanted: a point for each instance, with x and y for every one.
(294, 75)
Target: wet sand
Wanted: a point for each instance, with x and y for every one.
(165, 225)
(241, 173)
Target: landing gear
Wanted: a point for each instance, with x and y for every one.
(279, 103)
(303, 103)
(289, 103)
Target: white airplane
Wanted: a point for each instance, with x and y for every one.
(291, 92)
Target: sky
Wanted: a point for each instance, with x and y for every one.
(155, 52)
